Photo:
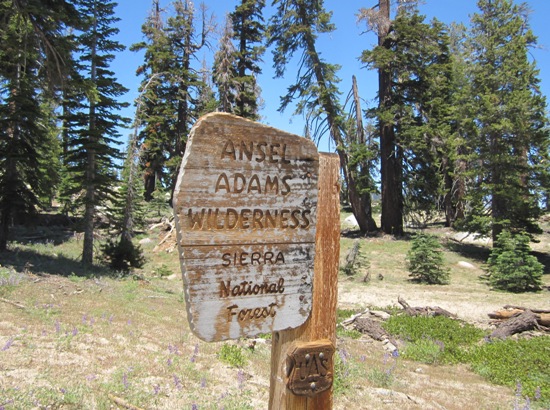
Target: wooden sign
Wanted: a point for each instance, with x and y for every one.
(245, 206)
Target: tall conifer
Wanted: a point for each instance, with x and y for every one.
(295, 28)
(33, 58)
(248, 29)
(94, 134)
(510, 155)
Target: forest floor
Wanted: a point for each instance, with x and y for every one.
(84, 339)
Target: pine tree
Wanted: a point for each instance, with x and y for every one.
(127, 214)
(173, 86)
(206, 97)
(94, 134)
(224, 72)
(32, 57)
(418, 109)
(294, 28)
(248, 31)
(156, 115)
(390, 153)
(512, 267)
(425, 261)
(512, 140)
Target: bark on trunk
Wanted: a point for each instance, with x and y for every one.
(424, 311)
(390, 166)
(335, 132)
(517, 324)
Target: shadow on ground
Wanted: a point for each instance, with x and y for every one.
(26, 261)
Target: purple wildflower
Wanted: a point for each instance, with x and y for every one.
(75, 331)
(194, 407)
(8, 344)
(203, 382)
(177, 382)
(344, 355)
(156, 388)
(125, 381)
(240, 378)
(57, 326)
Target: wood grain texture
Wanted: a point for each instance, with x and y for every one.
(245, 206)
(322, 322)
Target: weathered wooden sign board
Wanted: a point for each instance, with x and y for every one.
(245, 206)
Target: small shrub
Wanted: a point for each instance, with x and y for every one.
(122, 256)
(232, 355)
(512, 268)
(164, 271)
(425, 351)
(425, 261)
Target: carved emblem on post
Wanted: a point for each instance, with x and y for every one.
(309, 368)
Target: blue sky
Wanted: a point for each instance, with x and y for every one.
(343, 47)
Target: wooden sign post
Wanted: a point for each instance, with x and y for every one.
(317, 336)
(245, 206)
(257, 218)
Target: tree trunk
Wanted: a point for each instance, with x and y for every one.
(89, 213)
(365, 202)
(521, 323)
(390, 165)
(332, 118)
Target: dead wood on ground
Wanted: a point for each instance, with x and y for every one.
(522, 322)
(424, 311)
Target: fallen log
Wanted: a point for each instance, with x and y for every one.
(375, 330)
(17, 305)
(524, 308)
(123, 403)
(543, 317)
(505, 314)
(424, 311)
(522, 322)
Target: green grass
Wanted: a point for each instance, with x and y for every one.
(524, 362)
(440, 340)
(424, 334)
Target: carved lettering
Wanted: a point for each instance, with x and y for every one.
(238, 183)
(261, 312)
(208, 219)
(255, 151)
(253, 258)
(246, 288)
